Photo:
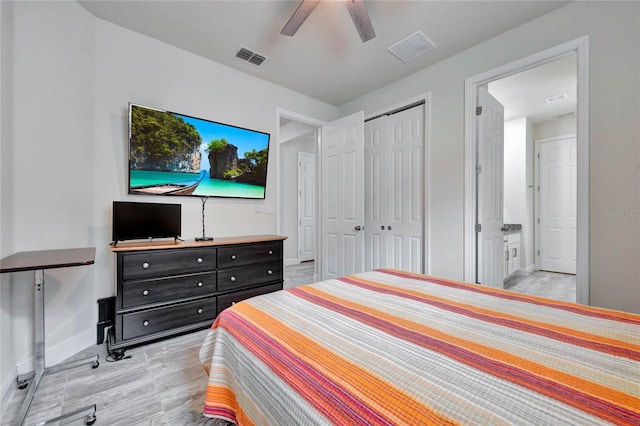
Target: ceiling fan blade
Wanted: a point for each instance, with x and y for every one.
(360, 16)
(299, 16)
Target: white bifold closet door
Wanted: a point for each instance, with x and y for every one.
(393, 190)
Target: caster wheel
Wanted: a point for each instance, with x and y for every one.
(22, 384)
(95, 365)
(91, 419)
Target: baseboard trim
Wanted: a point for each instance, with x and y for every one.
(60, 352)
(291, 261)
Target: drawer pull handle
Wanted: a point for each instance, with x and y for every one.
(145, 323)
(234, 257)
(200, 311)
(270, 251)
(269, 272)
(199, 260)
(200, 284)
(233, 279)
(145, 265)
(146, 292)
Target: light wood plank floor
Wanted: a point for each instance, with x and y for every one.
(162, 383)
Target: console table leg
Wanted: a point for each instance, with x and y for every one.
(38, 329)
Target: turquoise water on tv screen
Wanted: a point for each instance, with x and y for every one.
(207, 188)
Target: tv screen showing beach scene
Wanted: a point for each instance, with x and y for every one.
(176, 154)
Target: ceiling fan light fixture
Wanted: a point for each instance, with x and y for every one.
(357, 10)
(361, 19)
(301, 14)
(410, 48)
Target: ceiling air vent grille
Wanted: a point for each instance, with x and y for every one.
(248, 55)
(412, 47)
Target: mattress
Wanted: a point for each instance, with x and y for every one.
(393, 348)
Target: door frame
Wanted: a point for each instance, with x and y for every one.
(580, 47)
(283, 113)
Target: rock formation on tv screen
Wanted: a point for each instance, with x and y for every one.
(225, 164)
(163, 142)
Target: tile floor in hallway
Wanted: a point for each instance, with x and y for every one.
(552, 285)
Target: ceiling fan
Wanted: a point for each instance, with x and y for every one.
(357, 10)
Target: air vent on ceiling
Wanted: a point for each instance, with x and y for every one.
(410, 48)
(566, 114)
(248, 55)
(554, 98)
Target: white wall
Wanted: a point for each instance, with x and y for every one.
(518, 175)
(7, 367)
(515, 168)
(65, 160)
(614, 71)
(554, 128)
(49, 176)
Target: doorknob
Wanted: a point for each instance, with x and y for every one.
(357, 228)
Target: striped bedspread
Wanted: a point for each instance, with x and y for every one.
(393, 348)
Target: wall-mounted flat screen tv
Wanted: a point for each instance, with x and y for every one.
(176, 154)
(135, 221)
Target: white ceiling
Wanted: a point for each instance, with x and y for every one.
(523, 94)
(325, 59)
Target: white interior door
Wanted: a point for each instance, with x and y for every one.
(376, 137)
(490, 169)
(306, 206)
(557, 160)
(342, 196)
(404, 226)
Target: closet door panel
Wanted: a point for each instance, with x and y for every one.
(376, 193)
(407, 189)
(394, 190)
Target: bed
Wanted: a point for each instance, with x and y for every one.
(389, 348)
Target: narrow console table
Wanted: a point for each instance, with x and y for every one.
(168, 288)
(39, 261)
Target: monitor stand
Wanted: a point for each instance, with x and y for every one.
(203, 238)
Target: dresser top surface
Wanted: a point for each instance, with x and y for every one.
(219, 241)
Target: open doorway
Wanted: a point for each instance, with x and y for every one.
(298, 213)
(473, 170)
(539, 197)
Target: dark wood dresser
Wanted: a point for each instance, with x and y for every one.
(167, 288)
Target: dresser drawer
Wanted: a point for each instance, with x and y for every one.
(249, 254)
(227, 300)
(235, 278)
(139, 293)
(157, 263)
(160, 319)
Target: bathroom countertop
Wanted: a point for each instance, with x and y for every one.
(512, 228)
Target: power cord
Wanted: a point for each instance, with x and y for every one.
(114, 355)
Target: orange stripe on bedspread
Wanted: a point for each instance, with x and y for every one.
(220, 401)
(600, 401)
(343, 391)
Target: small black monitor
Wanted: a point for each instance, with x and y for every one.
(133, 221)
